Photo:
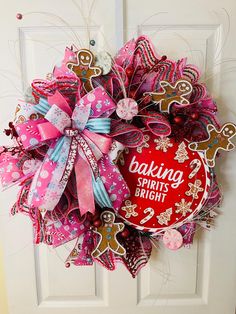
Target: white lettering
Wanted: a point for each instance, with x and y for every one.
(156, 172)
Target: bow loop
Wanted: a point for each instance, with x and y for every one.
(99, 125)
(127, 134)
(80, 116)
(58, 118)
(157, 124)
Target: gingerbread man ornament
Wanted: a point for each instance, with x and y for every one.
(129, 208)
(194, 189)
(85, 69)
(108, 232)
(172, 94)
(217, 140)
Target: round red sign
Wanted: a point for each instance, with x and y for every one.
(168, 183)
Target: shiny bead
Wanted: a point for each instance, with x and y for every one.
(96, 216)
(97, 223)
(178, 120)
(67, 265)
(125, 233)
(132, 94)
(195, 116)
(19, 16)
(89, 216)
(129, 72)
(146, 100)
(92, 42)
(7, 132)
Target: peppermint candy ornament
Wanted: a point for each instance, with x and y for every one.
(127, 108)
(172, 239)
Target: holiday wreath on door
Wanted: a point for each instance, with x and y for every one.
(117, 153)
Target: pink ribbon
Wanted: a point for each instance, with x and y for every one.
(67, 85)
(82, 146)
(127, 134)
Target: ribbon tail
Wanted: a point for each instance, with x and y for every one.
(115, 184)
(100, 193)
(46, 188)
(84, 186)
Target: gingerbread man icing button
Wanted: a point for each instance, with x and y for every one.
(172, 94)
(107, 235)
(217, 139)
(85, 68)
(172, 239)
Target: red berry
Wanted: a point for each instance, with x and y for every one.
(125, 233)
(129, 72)
(89, 216)
(178, 120)
(19, 16)
(96, 216)
(195, 116)
(7, 132)
(132, 94)
(97, 223)
(67, 265)
(146, 100)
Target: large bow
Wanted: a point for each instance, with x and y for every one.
(75, 144)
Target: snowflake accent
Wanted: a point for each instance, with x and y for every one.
(195, 188)
(163, 143)
(164, 217)
(183, 207)
(146, 138)
(181, 154)
(107, 102)
(130, 209)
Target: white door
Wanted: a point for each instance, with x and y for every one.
(200, 280)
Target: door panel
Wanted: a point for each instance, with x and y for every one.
(201, 32)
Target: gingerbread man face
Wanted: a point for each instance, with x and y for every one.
(183, 87)
(229, 130)
(107, 217)
(85, 57)
(85, 68)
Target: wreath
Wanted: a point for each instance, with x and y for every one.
(116, 154)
